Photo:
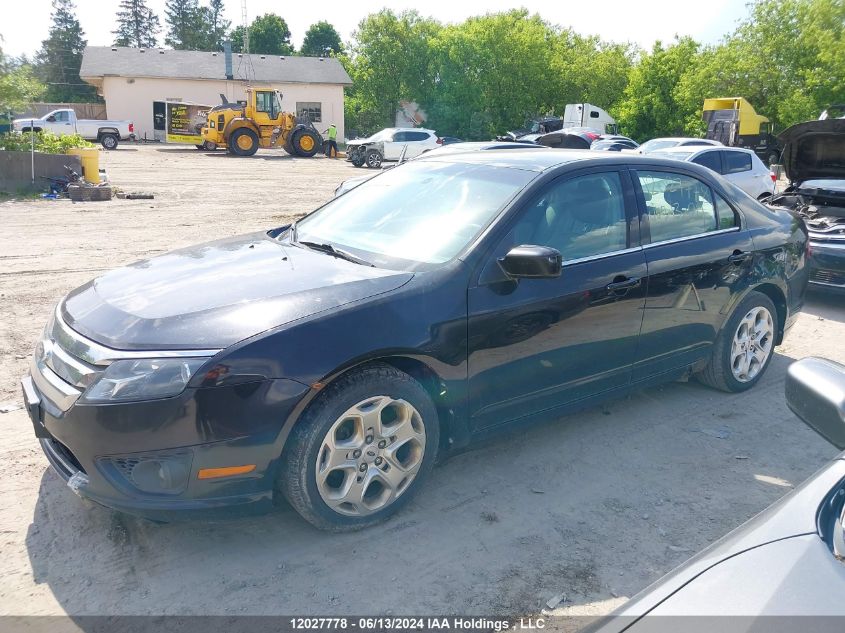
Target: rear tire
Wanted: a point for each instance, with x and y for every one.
(738, 359)
(109, 141)
(243, 142)
(361, 450)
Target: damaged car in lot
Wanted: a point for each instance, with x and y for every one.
(389, 145)
(332, 361)
(814, 162)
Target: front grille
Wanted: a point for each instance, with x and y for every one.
(829, 277)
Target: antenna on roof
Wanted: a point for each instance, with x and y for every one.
(249, 70)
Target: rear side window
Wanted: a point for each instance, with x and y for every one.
(416, 136)
(678, 205)
(736, 162)
(725, 214)
(710, 160)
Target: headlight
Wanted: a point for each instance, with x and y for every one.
(144, 379)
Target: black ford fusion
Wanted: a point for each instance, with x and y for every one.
(331, 362)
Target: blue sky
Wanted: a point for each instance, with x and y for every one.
(638, 21)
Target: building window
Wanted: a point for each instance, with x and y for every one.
(311, 109)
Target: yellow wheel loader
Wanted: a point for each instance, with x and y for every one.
(245, 126)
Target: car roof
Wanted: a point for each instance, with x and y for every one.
(530, 160)
(697, 149)
(680, 138)
(405, 129)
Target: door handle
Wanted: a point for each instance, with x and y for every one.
(624, 284)
(739, 257)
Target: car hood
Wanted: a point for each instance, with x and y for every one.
(215, 294)
(814, 150)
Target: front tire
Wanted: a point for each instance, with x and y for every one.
(305, 143)
(361, 450)
(374, 159)
(745, 346)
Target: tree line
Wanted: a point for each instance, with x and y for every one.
(483, 76)
(489, 73)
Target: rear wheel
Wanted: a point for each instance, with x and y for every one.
(109, 141)
(305, 143)
(745, 346)
(209, 146)
(361, 450)
(243, 142)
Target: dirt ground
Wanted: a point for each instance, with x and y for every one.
(594, 506)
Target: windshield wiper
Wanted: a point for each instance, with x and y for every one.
(334, 251)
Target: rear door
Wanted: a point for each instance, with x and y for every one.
(738, 169)
(698, 255)
(537, 344)
(418, 142)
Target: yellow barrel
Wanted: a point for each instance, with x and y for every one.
(90, 158)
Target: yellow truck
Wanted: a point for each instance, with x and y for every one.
(259, 121)
(734, 122)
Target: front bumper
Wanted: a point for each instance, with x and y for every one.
(827, 265)
(89, 446)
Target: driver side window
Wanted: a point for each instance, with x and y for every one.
(580, 217)
(61, 117)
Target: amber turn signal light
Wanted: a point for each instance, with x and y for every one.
(228, 471)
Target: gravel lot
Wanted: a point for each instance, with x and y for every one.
(594, 506)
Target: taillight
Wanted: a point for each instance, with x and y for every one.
(592, 136)
(774, 176)
(131, 128)
(439, 141)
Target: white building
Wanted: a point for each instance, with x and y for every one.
(131, 79)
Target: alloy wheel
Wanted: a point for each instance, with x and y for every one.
(752, 344)
(370, 455)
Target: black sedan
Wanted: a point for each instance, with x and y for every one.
(334, 360)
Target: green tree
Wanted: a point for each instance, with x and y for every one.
(649, 106)
(60, 57)
(321, 39)
(216, 27)
(186, 28)
(493, 72)
(137, 25)
(393, 60)
(268, 35)
(18, 88)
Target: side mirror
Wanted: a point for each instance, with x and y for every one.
(533, 262)
(815, 391)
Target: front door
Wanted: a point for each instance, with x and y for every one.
(698, 256)
(536, 344)
(393, 148)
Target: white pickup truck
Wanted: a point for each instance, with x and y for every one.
(63, 122)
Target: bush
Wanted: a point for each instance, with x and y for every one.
(45, 142)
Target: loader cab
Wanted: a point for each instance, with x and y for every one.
(268, 102)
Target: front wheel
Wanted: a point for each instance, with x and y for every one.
(745, 346)
(305, 143)
(374, 159)
(361, 450)
(109, 141)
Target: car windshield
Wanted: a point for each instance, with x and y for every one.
(672, 155)
(656, 144)
(417, 214)
(384, 135)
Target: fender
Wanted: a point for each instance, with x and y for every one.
(239, 122)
